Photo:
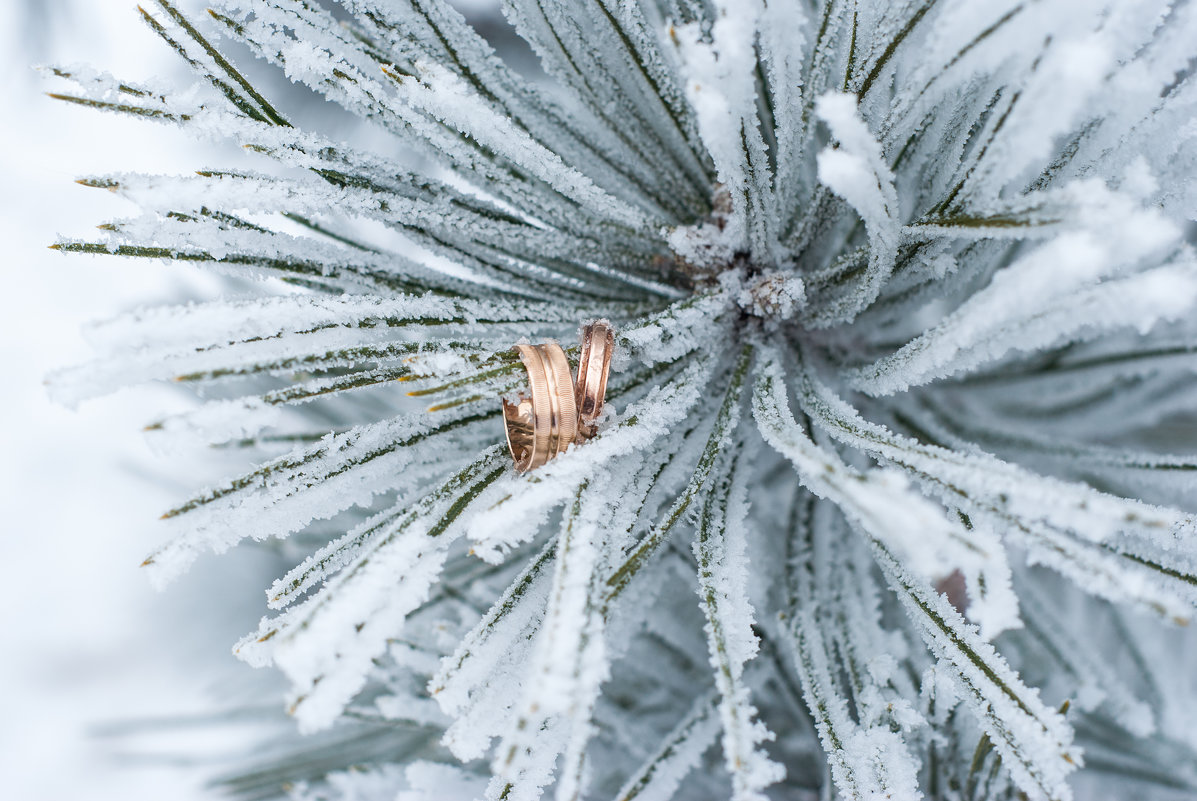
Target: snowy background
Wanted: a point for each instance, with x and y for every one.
(103, 681)
(108, 689)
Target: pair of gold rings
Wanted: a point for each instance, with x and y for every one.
(558, 410)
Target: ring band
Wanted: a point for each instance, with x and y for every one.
(564, 423)
(594, 363)
(543, 425)
(558, 411)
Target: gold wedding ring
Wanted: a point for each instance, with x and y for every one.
(594, 363)
(543, 425)
(557, 411)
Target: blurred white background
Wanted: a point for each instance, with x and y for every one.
(92, 660)
(109, 689)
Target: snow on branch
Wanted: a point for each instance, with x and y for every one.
(1035, 742)
(856, 171)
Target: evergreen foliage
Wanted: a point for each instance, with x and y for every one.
(902, 291)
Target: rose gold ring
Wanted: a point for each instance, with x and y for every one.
(545, 423)
(594, 363)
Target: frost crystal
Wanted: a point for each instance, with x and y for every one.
(895, 470)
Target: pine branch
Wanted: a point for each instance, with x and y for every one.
(945, 228)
